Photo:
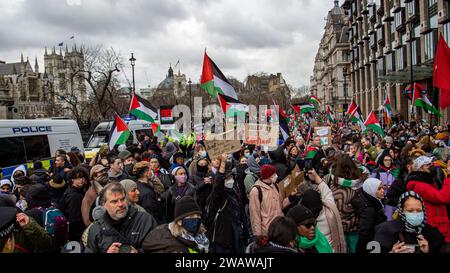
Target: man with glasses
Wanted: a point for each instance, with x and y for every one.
(309, 238)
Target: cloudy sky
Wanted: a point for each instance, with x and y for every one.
(241, 36)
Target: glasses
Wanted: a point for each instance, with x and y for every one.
(309, 224)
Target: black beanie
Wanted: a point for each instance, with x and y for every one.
(311, 199)
(38, 196)
(7, 221)
(299, 214)
(186, 206)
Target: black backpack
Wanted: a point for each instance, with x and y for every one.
(260, 194)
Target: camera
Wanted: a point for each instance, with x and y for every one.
(124, 248)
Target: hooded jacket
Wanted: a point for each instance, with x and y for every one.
(40, 176)
(436, 200)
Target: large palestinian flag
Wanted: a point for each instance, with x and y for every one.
(372, 123)
(214, 82)
(306, 108)
(357, 118)
(119, 133)
(142, 109)
(231, 106)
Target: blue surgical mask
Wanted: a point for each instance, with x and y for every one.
(203, 154)
(247, 155)
(192, 225)
(414, 219)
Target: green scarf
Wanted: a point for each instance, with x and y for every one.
(320, 242)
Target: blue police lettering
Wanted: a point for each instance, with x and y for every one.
(33, 129)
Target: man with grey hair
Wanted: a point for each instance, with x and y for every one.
(122, 228)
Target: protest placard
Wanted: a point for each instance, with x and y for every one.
(291, 182)
(325, 135)
(218, 144)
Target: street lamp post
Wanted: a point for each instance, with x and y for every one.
(411, 37)
(133, 63)
(344, 70)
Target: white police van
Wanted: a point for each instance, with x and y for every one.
(100, 136)
(24, 141)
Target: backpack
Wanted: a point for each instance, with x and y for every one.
(260, 194)
(56, 225)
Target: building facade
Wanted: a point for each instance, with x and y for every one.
(387, 38)
(264, 89)
(26, 93)
(330, 82)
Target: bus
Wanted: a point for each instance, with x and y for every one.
(100, 136)
(24, 141)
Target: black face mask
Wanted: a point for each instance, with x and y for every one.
(202, 169)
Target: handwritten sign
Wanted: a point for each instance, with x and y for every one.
(325, 135)
(291, 182)
(261, 135)
(218, 144)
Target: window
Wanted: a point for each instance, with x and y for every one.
(430, 44)
(381, 69)
(410, 8)
(390, 62)
(399, 19)
(400, 58)
(431, 2)
(447, 32)
(416, 51)
(18, 150)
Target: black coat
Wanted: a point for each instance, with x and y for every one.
(161, 240)
(40, 176)
(131, 230)
(202, 191)
(225, 217)
(148, 199)
(70, 206)
(169, 197)
(370, 213)
(388, 234)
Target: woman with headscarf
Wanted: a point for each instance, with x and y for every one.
(181, 187)
(344, 181)
(410, 233)
(370, 210)
(203, 180)
(387, 172)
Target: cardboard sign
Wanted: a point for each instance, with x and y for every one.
(291, 182)
(261, 135)
(325, 135)
(217, 145)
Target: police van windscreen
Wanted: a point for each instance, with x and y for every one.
(97, 139)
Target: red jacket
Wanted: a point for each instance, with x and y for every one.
(436, 202)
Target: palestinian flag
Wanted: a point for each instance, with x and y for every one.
(387, 113)
(284, 129)
(357, 118)
(119, 133)
(421, 100)
(351, 108)
(372, 123)
(296, 108)
(142, 109)
(214, 82)
(311, 152)
(330, 115)
(231, 106)
(306, 108)
(280, 110)
(156, 128)
(315, 101)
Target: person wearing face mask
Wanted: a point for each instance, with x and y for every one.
(266, 202)
(436, 199)
(185, 234)
(410, 233)
(199, 153)
(150, 189)
(370, 211)
(225, 217)
(99, 179)
(181, 187)
(121, 229)
(203, 180)
(128, 161)
(251, 174)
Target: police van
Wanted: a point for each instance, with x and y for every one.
(25, 141)
(100, 136)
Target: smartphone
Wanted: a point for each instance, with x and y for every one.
(411, 248)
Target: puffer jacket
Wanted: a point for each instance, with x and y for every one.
(132, 230)
(436, 200)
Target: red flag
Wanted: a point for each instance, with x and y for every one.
(441, 71)
(296, 109)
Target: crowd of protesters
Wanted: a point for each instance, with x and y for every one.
(169, 196)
